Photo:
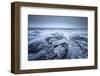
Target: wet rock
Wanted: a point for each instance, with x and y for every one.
(60, 51)
(59, 42)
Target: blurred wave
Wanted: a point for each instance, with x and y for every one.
(49, 44)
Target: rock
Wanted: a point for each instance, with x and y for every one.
(59, 51)
(59, 42)
(52, 40)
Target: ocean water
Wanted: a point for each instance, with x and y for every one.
(50, 44)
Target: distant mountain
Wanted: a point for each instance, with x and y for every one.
(36, 28)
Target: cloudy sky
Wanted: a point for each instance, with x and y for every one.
(41, 21)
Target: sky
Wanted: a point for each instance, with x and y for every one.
(47, 21)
